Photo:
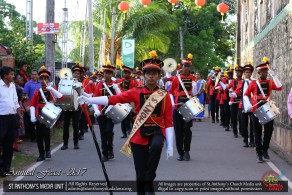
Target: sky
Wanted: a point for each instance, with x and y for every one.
(76, 9)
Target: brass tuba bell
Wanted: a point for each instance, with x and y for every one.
(169, 65)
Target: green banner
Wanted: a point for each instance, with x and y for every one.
(128, 52)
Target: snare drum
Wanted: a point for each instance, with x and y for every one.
(190, 109)
(118, 112)
(69, 102)
(49, 114)
(267, 112)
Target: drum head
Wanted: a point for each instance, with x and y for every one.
(75, 102)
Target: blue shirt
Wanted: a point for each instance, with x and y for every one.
(30, 87)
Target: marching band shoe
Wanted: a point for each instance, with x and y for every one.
(260, 158)
(64, 147)
(76, 146)
(180, 158)
(200, 120)
(187, 156)
(40, 158)
(235, 136)
(104, 158)
(213, 121)
(124, 136)
(111, 155)
(251, 144)
(48, 154)
(266, 156)
(227, 128)
(245, 145)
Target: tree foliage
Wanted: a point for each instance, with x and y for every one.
(157, 27)
(13, 35)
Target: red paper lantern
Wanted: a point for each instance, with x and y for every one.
(124, 6)
(200, 3)
(145, 2)
(222, 8)
(173, 2)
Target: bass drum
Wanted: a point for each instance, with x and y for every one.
(49, 114)
(69, 101)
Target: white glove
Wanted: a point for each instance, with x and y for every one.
(222, 85)
(169, 141)
(55, 93)
(246, 103)
(217, 87)
(96, 111)
(82, 99)
(272, 73)
(233, 95)
(116, 88)
(77, 85)
(32, 114)
(101, 100)
(86, 94)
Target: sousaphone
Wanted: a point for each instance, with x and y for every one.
(65, 73)
(169, 65)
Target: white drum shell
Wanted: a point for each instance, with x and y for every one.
(49, 114)
(190, 109)
(70, 95)
(118, 112)
(267, 112)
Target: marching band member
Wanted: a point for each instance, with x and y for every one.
(240, 90)
(201, 84)
(234, 100)
(154, 118)
(106, 125)
(36, 105)
(214, 104)
(139, 76)
(220, 98)
(227, 107)
(261, 90)
(127, 83)
(182, 129)
(86, 88)
(74, 115)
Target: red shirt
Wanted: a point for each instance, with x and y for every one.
(137, 95)
(255, 95)
(126, 84)
(177, 91)
(86, 86)
(38, 102)
(100, 90)
(233, 85)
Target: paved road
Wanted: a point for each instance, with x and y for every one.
(215, 155)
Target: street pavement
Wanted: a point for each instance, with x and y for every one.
(215, 155)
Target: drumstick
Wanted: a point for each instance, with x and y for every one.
(51, 92)
(257, 103)
(230, 103)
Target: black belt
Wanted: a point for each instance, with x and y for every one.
(7, 115)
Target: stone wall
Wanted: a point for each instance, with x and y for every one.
(275, 42)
